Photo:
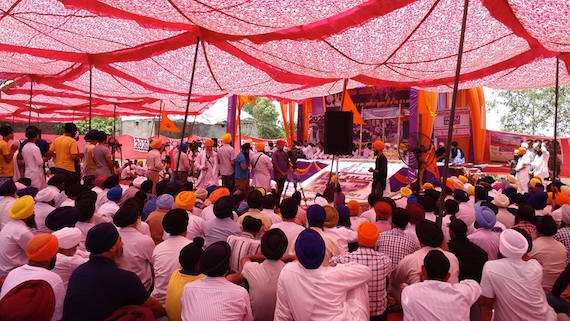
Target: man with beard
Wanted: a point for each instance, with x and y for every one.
(41, 251)
(15, 235)
(380, 173)
(98, 287)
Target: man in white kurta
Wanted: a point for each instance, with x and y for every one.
(68, 257)
(308, 291)
(34, 163)
(208, 164)
(262, 167)
(15, 235)
(540, 163)
(522, 171)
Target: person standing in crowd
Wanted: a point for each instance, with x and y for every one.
(89, 166)
(242, 164)
(183, 165)
(154, 162)
(65, 152)
(379, 263)
(8, 151)
(208, 164)
(261, 166)
(98, 288)
(33, 159)
(308, 291)
(280, 162)
(41, 252)
(380, 172)
(102, 156)
(226, 159)
(456, 156)
(522, 170)
(512, 287)
(513, 162)
(435, 298)
(15, 235)
(231, 301)
(540, 163)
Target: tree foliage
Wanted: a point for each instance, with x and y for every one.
(266, 118)
(532, 111)
(98, 123)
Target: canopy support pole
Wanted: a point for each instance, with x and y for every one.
(360, 143)
(159, 118)
(451, 115)
(187, 106)
(555, 143)
(30, 111)
(114, 130)
(239, 123)
(90, 92)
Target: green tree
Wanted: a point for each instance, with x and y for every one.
(532, 111)
(266, 118)
(98, 123)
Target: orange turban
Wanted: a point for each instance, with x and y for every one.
(42, 247)
(383, 209)
(379, 145)
(280, 143)
(353, 208)
(209, 143)
(156, 143)
(522, 150)
(367, 234)
(185, 200)
(218, 193)
(260, 146)
(562, 198)
(450, 184)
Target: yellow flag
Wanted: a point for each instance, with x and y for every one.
(167, 124)
(348, 105)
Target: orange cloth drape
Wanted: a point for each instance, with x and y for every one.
(292, 121)
(307, 111)
(348, 105)
(285, 113)
(241, 101)
(427, 106)
(478, 112)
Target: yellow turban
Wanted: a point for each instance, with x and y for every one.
(226, 138)
(511, 179)
(209, 143)
(534, 181)
(405, 191)
(471, 190)
(260, 146)
(515, 186)
(463, 179)
(185, 200)
(218, 193)
(427, 186)
(156, 143)
(517, 151)
(42, 247)
(331, 218)
(379, 145)
(367, 234)
(457, 183)
(22, 208)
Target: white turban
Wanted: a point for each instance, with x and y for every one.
(512, 244)
(319, 200)
(137, 182)
(68, 237)
(524, 145)
(47, 195)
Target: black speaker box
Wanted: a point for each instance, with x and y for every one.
(338, 132)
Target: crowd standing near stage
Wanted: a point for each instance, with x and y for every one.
(203, 234)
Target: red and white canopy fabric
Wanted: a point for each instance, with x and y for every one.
(141, 52)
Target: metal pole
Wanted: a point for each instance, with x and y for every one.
(187, 105)
(360, 144)
(239, 124)
(114, 130)
(90, 92)
(30, 111)
(555, 125)
(452, 114)
(343, 92)
(159, 118)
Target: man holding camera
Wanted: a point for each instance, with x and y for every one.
(280, 162)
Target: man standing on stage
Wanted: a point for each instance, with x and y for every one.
(380, 173)
(208, 164)
(64, 152)
(226, 159)
(280, 162)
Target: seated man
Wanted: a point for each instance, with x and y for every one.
(446, 301)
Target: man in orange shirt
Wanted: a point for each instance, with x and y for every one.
(7, 150)
(64, 152)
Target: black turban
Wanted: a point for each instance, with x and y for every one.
(65, 216)
(175, 221)
(215, 260)
(274, 244)
(101, 238)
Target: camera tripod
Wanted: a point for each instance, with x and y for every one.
(295, 183)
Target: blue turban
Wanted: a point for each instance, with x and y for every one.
(115, 193)
(32, 191)
(485, 217)
(343, 216)
(210, 189)
(538, 200)
(7, 187)
(310, 249)
(183, 147)
(316, 215)
(412, 199)
(101, 238)
(165, 201)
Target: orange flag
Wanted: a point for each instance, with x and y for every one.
(167, 124)
(246, 100)
(348, 105)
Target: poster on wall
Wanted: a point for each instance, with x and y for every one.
(502, 145)
(461, 127)
(140, 144)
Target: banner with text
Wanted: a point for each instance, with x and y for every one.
(461, 128)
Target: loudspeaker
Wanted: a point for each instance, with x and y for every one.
(338, 132)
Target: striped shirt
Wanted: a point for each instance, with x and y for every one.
(242, 245)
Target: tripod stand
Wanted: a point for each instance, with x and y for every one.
(295, 183)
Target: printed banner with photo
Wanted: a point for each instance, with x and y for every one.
(461, 128)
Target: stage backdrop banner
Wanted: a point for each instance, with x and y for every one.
(380, 113)
(461, 128)
(140, 144)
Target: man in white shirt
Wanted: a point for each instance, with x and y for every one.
(246, 244)
(226, 158)
(43, 206)
(486, 237)
(7, 199)
(514, 286)
(15, 235)
(208, 164)
(254, 202)
(41, 252)
(165, 254)
(108, 209)
(435, 298)
(215, 298)
(268, 208)
(137, 247)
(288, 226)
(185, 200)
(308, 291)
(68, 257)
(262, 166)
(316, 218)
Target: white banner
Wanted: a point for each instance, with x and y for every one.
(140, 144)
(462, 126)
